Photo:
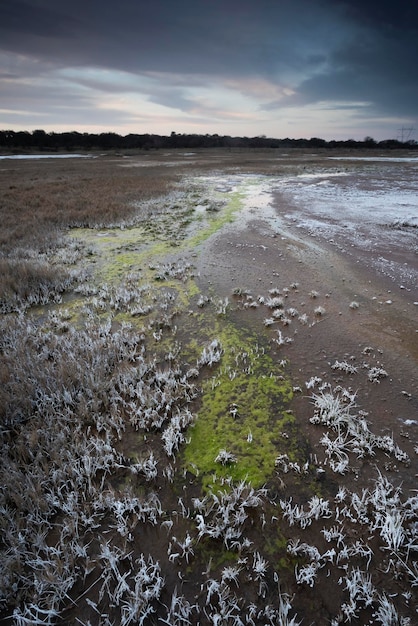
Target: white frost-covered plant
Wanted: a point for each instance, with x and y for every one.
(387, 615)
(391, 529)
(260, 567)
(283, 611)
(335, 451)
(211, 354)
(375, 374)
(172, 435)
(222, 306)
(389, 516)
(334, 410)
(306, 574)
(147, 586)
(344, 366)
(223, 514)
(275, 302)
(317, 508)
(146, 466)
(172, 438)
(225, 458)
(184, 548)
(180, 611)
(361, 590)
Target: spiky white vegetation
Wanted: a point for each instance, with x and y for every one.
(380, 511)
(285, 465)
(260, 566)
(285, 607)
(180, 611)
(143, 588)
(68, 394)
(211, 354)
(361, 592)
(231, 573)
(375, 374)
(317, 508)
(303, 319)
(223, 605)
(172, 435)
(306, 574)
(312, 382)
(225, 458)
(269, 321)
(202, 300)
(222, 306)
(179, 270)
(275, 302)
(129, 297)
(279, 315)
(223, 513)
(344, 366)
(387, 615)
(335, 410)
(181, 549)
(281, 340)
(146, 466)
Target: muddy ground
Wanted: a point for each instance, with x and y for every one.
(261, 254)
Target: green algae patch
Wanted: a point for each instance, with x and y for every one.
(113, 252)
(216, 221)
(242, 413)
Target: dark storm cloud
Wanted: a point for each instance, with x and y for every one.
(382, 13)
(337, 51)
(32, 19)
(378, 65)
(186, 36)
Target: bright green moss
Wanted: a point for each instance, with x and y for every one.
(242, 411)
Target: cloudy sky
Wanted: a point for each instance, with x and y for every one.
(335, 69)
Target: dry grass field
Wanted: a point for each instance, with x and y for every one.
(208, 404)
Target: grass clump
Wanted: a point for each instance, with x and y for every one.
(26, 283)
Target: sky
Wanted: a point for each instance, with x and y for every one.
(335, 69)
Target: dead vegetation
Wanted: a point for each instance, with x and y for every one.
(40, 202)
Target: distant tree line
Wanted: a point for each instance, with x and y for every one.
(11, 141)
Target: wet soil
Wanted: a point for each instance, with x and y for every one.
(382, 331)
(259, 255)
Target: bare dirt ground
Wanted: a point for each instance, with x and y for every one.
(259, 260)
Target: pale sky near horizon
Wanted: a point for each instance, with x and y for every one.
(335, 69)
